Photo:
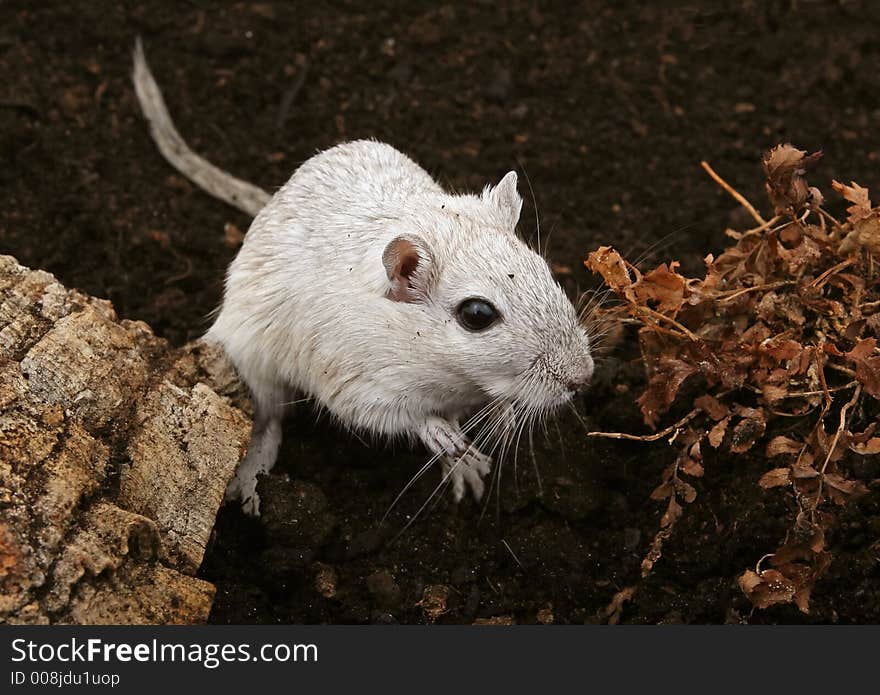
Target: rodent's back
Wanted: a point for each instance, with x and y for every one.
(310, 273)
(361, 172)
(332, 212)
(334, 208)
(352, 182)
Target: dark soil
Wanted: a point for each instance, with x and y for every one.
(608, 112)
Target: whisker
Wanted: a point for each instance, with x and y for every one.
(561, 443)
(443, 482)
(512, 554)
(524, 420)
(297, 402)
(482, 414)
(534, 202)
(412, 481)
(535, 463)
(547, 241)
(502, 441)
(578, 416)
(596, 299)
(659, 245)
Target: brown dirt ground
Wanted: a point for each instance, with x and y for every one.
(607, 107)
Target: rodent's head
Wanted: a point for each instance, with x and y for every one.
(501, 321)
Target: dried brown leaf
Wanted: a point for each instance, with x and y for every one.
(802, 470)
(767, 588)
(783, 445)
(613, 269)
(433, 601)
(716, 434)
(710, 405)
(663, 287)
(802, 598)
(786, 186)
(846, 488)
(867, 365)
(672, 514)
(773, 393)
(615, 607)
(692, 467)
(781, 349)
(747, 432)
(858, 196)
(749, 581)
(872, 446)
(807, 544)
(775, 478)
(865, 234)
(685, 490)
(661, 492)
(663, 387)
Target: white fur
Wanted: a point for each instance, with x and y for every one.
(310, 307)
(305, 306)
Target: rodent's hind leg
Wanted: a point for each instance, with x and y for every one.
(262, 451)
(461, 462)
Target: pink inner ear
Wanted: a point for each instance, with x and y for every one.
(401, 259)
(408, 261)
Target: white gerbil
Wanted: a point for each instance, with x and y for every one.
(399, 308)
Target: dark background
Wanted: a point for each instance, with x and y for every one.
(606, 107)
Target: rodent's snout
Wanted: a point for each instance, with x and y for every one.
(583, 376)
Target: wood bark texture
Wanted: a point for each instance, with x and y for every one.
(115, 451)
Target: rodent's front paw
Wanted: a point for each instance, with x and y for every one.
(251, 506)
(468, 469)
(244, 491)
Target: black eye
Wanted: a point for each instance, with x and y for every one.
(477, 314)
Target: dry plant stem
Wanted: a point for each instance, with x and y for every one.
(764, 227)
(657, 315)
(840, 428)
(803, 394)
(758, 564)
(840, 368)
(648, 437)
(819, 281)
(660, 329)
(780, 413)
(794, 220)
(828, 217)
(820, 368)
(756, 288)
(736, 194)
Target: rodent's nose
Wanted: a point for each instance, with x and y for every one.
(582, 379)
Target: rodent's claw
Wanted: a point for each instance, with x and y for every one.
(251, 506)
(260, 457)
(470, 468)
(244, 491)
(462, 463)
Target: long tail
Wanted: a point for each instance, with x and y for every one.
(216, 182)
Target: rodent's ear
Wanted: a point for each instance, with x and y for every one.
(408, 263)
(506, 199)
